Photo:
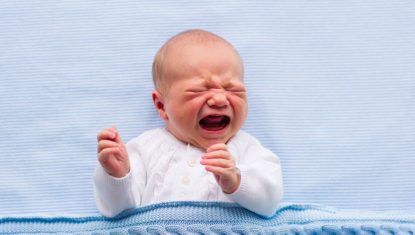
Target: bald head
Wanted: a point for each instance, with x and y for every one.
(194, 36)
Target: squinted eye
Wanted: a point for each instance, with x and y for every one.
(196, 90)
(236, 89)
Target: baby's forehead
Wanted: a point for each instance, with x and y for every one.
(229, 80)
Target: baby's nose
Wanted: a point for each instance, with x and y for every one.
(218, 99)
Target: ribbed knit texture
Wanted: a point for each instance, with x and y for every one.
(219, 218)
(331, 91)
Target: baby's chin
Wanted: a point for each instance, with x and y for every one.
(206, 143)
(197, 139)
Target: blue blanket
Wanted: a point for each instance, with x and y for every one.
(219, 218)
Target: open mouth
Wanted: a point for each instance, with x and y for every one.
(214, 122)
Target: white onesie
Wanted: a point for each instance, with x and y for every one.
(165, 169)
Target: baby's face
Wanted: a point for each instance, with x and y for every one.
(206, 102)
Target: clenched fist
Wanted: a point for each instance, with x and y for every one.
(112, 153)
(218, 161)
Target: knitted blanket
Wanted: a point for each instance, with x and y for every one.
(218, 218)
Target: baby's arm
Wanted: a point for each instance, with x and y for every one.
(260, 180)
(115, 190)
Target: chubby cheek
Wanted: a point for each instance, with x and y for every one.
(240, 107)
(187, 112)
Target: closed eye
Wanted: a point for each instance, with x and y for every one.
(196, 90)
(239, 91)
(235, 86)
(236, 89)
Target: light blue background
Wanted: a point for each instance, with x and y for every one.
(331, 89)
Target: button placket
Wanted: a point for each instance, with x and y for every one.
(189, 177)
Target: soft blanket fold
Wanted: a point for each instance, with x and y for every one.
(218, 218)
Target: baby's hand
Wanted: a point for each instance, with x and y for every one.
(112, 153)
(218, 160)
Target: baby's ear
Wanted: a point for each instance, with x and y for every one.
(158, 101)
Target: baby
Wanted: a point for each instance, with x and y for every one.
(201, 153)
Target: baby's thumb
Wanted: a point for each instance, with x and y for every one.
(117, 135)
(118, 138)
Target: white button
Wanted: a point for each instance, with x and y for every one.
(185, 180)
(191, 162)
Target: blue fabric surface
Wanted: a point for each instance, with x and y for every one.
(219, 218)
(331, 91)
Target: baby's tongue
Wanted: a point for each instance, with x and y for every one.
(213, 122)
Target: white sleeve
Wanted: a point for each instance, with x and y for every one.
(261, 187)
(114, 195)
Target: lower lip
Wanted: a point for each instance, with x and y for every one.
(214, 133)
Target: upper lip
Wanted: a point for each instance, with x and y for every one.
(215, 114)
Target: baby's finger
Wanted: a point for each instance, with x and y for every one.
(106, 134)
(219, 171)
(107, 153)
(217, 154)
(216, 147)
(118, 137)
(217, 163)
(103, 144)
